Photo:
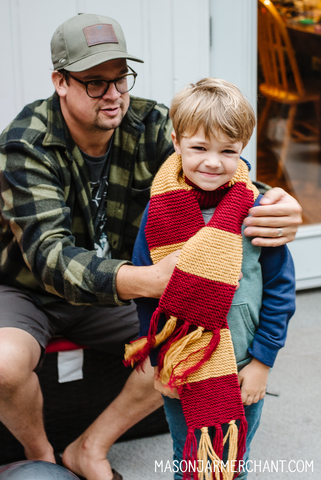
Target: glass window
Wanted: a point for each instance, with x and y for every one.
(289, 94)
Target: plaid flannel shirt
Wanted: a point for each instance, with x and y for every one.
(46, 225)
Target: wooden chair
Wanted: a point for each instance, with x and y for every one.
(282, 80)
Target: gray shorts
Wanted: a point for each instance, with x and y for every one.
(102, 328)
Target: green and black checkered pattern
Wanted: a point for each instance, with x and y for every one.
(46, 227)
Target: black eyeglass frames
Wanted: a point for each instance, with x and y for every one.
(98, 88)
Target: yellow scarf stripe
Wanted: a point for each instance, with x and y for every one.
(242, 175)
(170, 177)
(160, 252)
(223, 248)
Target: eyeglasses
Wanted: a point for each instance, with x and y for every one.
(98, 88)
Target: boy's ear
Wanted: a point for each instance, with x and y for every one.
(175, 143)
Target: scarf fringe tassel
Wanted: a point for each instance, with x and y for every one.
(190, 456)
(171, 363)
(242, 441)
(138, 351)
(180, 332)
(214, 453)
(175, 349)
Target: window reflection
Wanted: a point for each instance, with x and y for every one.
(289, 84)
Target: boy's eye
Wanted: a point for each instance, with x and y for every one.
(195, 147)
(231, 152)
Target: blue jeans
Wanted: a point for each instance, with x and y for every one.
(178, 429)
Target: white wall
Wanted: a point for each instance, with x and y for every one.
(172, 36)
(234, 52)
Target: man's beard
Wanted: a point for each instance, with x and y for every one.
(99, 125)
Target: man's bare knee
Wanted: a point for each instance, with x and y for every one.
(19, 353)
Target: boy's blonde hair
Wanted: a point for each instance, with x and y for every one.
(215, 106)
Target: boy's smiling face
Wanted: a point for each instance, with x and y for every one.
(208, 162)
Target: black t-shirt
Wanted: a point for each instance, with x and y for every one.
(98, 170)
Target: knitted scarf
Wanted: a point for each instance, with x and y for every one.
(196, 354)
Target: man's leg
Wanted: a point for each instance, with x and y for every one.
(87, 455)
(24, 330)
(109, 329)
(20, 394)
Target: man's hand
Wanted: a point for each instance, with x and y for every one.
(279, 213)
(164, 389)
(253, 380)
(151, 281)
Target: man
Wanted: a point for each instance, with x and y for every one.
(75, 176)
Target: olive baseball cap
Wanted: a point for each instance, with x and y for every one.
(87, 40)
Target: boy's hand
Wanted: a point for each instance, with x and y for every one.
(164, 389)
(253, 380)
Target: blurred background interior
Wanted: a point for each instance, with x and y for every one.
(289, 93)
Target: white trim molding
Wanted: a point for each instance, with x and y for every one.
(306, 252)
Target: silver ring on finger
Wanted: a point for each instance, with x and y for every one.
(279, 232)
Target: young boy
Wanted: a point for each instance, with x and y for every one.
(212, 343)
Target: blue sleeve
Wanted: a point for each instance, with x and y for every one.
(278, 303)
(141, 256)
(145, 306)
(247, 163)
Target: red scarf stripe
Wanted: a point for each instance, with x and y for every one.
(185, 223)
(201, 301)
(180, 227)
(205, 398)
(244, 199)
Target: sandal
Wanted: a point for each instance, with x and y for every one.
(58, 458)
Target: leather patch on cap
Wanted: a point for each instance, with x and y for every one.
(100, 33)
